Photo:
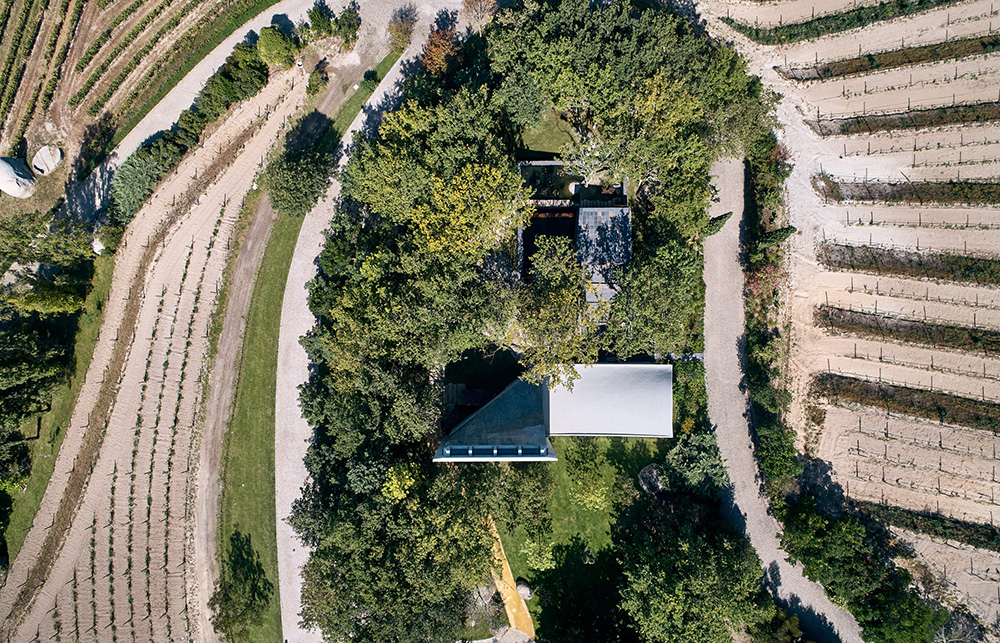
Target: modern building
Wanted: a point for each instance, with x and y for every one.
(617, 400)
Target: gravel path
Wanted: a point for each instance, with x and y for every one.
(727, 408)
(293, 434)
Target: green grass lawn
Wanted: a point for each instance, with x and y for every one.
(248, 469)
(56, 419)
(248, 453)
(584, 547)
(549, 135)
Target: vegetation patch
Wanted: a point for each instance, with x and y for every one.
(960, 48)
(942, 407)
(836, 22)
(909, 331)
(908, 263)
(943, 192)
(910, 119)
(932, 524)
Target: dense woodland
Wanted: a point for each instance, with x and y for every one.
(416, 273)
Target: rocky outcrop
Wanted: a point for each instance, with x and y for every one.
(46, 159)
(16, 179)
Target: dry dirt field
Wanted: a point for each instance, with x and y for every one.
(877, 456)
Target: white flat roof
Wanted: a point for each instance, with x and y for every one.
(627, 400)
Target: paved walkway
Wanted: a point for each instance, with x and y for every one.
(292, 434)
(727, 409)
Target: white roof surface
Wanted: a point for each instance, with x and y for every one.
(627, 400)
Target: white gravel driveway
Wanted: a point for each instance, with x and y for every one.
(727, 409)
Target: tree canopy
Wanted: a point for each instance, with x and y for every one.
(422, 264)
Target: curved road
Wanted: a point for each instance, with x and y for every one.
(728, 408)
(292, 433)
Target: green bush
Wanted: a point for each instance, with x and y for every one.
(716, 223)
(296, 181)
(276, 48)
(317, 81)
(349, 23)
(240, 77)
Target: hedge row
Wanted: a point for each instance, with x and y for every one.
(50, 86)
(913, 119)
(967, 192)
(5, 16)
(50, 46)
(834, 23)
(908, 263)
(242, 76)
(905, 57)
(934, 405)
(933, 524)
(29, 111)
(909, 331)
(105, 35)
(109, 58)
(188, 51)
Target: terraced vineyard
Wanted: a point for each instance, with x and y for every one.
(894, 305)
(64, 63)
(126, 570)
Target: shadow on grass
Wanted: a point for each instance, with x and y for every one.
(579, 597)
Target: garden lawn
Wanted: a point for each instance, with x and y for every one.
(583, 542)
(248, 465)
(248, 454)
(549, 135)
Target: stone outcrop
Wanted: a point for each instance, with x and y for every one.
(16, 179)
(46, 159)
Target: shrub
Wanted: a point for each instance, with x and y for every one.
(401, 27)
(297, 181)
(348, 24)
(317, 81)
(836, 22)
(716, 223)
(320, 23)
(276, 48)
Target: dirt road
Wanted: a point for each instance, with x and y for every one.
(727, 408)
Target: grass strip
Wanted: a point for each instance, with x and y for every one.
(915, 119)
(905, 57)
(248, 476)
(248, 452)
(836, 22)
(933, 524)
(906, 263)
(909, 331)
(933, 405)
(52, 424)
(923, 192)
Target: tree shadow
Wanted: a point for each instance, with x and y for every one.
(283, 22)
(814, 625)
(445, 20)
(579, 597)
